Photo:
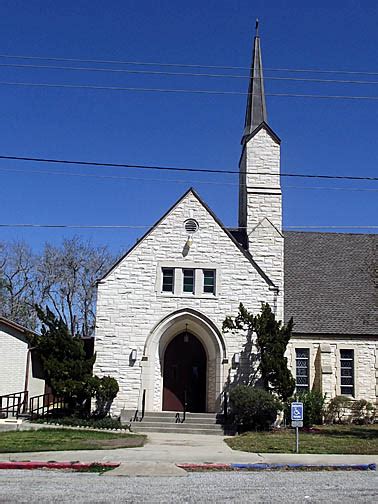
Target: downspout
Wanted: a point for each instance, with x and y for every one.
(26, 385)
(275, 296)
(28, 357)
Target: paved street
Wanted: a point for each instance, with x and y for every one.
(57, 487)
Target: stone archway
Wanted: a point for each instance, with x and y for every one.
(205, 331)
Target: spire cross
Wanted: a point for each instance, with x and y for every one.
(257, 27)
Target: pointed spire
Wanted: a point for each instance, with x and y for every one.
(256, 108)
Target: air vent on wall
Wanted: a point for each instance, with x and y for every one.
(191, 226)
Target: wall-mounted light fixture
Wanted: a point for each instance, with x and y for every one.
(186, 335)
(133, 355)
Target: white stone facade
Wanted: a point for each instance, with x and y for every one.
(260, 204)
(134, 313)
(324, 365)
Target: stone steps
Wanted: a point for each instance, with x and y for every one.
(165, 421)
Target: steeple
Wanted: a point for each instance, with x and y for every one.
(256, 108)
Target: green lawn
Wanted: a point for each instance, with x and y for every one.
(337, 439)
(65, 439)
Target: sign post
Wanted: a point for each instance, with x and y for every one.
(297, 420)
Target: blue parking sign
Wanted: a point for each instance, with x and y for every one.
(297, 411)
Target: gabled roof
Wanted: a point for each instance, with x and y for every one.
(15, 325)
(226, 231)
(331, 282)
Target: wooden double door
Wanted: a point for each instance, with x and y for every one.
(184, 376)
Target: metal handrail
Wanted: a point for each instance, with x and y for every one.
(185, 406)
(178, 416)
(143, 404)
(136, 417)
(42, 405)
(225, 407)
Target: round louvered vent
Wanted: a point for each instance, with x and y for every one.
(191, 226)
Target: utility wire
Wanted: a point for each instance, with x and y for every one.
(180, 169)
(190, 91)
(181, 74)
(143, 226)
(177, 181)
(184, 65)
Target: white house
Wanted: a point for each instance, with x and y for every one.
(20, 369)
(160, 308)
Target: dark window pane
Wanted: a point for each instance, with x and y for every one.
(302, 353)
(302, 380)
(209, 281)
(188, 280)
(302, 369)
(347, 354)
(347, 372)
(168, 282)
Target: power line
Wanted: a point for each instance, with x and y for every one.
(181, 74)
(190, 91)
(179, 169)
(185, 65)
(143, 226)
(177, 181)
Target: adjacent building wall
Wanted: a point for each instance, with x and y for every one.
(14, 356)
(325, 363)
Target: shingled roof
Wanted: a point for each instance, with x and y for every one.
(331, 282)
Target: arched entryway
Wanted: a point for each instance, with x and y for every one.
(184, 374)
(160, 337)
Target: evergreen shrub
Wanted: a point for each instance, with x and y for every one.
(253, 408)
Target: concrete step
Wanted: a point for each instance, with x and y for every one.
(167, 414)
(197, 425)
(142, 428)
(165, 421)
(188, 420)
(11, 420)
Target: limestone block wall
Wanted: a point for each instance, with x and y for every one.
(325, 363)
(130, 301)
(260, 204)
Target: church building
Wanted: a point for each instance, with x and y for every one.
(161, 307)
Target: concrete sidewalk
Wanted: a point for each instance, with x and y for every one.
(186, 449)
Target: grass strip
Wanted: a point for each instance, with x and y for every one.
(66, 439)
(333, 439)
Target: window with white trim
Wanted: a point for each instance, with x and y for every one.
(302, 369)
(209, 281)
(199, 281)
(188, 281)
(168, 280)
(347, 372)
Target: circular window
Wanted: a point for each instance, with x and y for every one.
(191, 226)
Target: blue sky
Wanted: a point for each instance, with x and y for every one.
(318, 136)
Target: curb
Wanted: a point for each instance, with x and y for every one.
(73, 466)
(277, 467)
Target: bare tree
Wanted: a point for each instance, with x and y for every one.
(18, 286)
(66, 278)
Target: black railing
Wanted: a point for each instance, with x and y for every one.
(178, 418)
(46, 404)
(13, 404)
(136, 418)
(225, 407)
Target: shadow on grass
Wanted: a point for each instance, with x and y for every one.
(361, 432)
